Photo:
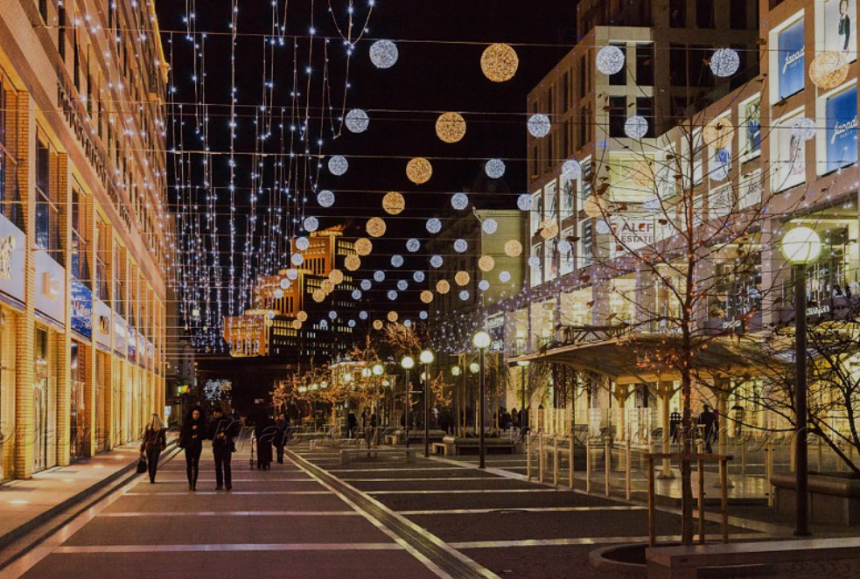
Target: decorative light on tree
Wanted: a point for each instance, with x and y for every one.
(490, 226)
(461, 245)
(513, 248)
(443, 287)
(459, 201)
(338, 165)
(434, 225)
(362, 315)
(436, 261)
(539, 125)
(725, 62)
(393, 203)
(419, 170)
(375, 227)
(325, 198)
(311, 224)
(384, 54)
(422, 314)
(379, 276)
(524, 202)
(357, 121)
(636, 127)
(397, 260)
(829, 69)
(450, 127)
(571, 169)
(499, 62)
(363, 246)
(803, 128)
(377, 324)
(418, 276)
(486, 263)
(413, 245)
(495, 168)
(610, 60)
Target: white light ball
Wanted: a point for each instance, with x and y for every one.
(610, 60)
(464, 295)
(285, 284)
(362, 315)
(534, 262)
(379, 276)
(332, 315)
(292, 274)
(356, 294)
(323, 325)
(338, 165)
(459, 201)
(392, 295)
(423, 315)
(436, 261)
(720, 171)
(413, 245)
(434, 225)
(725, 62)
(402, 285)
(297, 259)
(461, 245)
(636, 127)
(270, 315)
(418, 276)
(351, 323)
(564, 246)
(504, 276)
(524, 202)
(311, 224)
(539, 126)
(357, 121)
(384, 54)
(397, 260)
(483, 285)
(495, 168)
(804, 129)
(490, 226)
(302, 243)
(366, 285)
(278, 293)
(407, 323)
(801, 245)
(602, 228)
(571, 169)
(652, 205)
(325, 198)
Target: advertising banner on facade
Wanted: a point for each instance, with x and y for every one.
(496, 329)
(791, 60)
(633, 232)
(132, 345)
(840, 27)
(82, 309)
(842, 129)
(120, 336)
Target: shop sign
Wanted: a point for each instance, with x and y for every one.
(817, 311)
(790, 46)
(841, 132)
(103, 323)
(13, 246)
(50, 290)
(82, 309)
(120, 336)
(633, 232)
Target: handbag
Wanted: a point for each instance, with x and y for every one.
(141, 465)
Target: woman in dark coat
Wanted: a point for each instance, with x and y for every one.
(154, 441)
(264, 434)
(191, 439)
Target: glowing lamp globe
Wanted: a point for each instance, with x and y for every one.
(461, 245)
(392, 317)
(462, 278)
(302, 243)
(495, 168)
(418, 276)
(464, 295)
(725, 62)
(377, 324)
(504, 277)
(327, 286)
(357, 121)
(379, 276)
(474, 368)
(490, 226)
(366, 285)
(564, 246)
(356, 294)
(829, 69)
(499, 62)
(393, 203)
(384, 54)
(407, 362)
(397, 260)
(524, 202)
(513, 248)
(434, 225)
(483, 285)
(539, 126)
(455, 370)
(450, 127)
(481, 340)
(636, 127)
(610, 60)
(419, 170)
(801, 246)
(352, 262)
(413, 245)
(336, 276)
(426, 357)
(523, 363)
(392, 295)
(311, 224)
(437, 261)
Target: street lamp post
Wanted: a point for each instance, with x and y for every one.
(455, 371)
(426, 359)
(800, 247)
(482, 342)
(523, 364)
(408, 363)
(378, 371)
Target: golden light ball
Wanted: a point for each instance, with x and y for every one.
(352, 263)
(451, 127)
(297, 325)
(829, 69)
(376, 227)
(462, 278)
(363, 247)
(392, 317)
(393, 203)
(594, 206)
(336, 276)
(718, 133)
(318, 296)
(443, 287)
(327, 286)
(302, 316)
(419, 170)
(377, 324)
(426, 296)
(513, 248)
(549, 229)
(499, 62)
(486, 263)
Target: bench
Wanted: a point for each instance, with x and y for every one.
(684, 562)
(375, 453)
(440, 448)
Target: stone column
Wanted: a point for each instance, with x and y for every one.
(60, 174)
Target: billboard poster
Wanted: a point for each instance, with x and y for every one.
(82, 309)
(752, 126)
(840, 27)
(496, 329)
(791, 60)
(841, 131)
(132, 344)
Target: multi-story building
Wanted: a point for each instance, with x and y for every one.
(83, 220)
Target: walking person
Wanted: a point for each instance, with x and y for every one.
(281, 427)
(352, 424)
(154, 441)
(191, 439)
(708, 420)
(222, 430)
(264, 435)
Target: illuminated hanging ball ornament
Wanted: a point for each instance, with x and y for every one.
(610, 60)
(393, 317)
(571, 169)
(524, 202)
(302, 316)
(504, 276)
(297, 259)
(422, 314)
(461, 245)
(362, 315)
(549, 229)
(323, 325)
(636, 127)
(594, 206)
(499, 62)
(643, 174)
(327, 286)
(407, 323)
(464, 295)
(495, 168)
(379, 276)
(443, 287)
(297, 325)
(829, 69)
(725, 62)
(397, 261)
(292, 274)
(338, 165)
(459, 201)
(419, 170)
(403, 285)
(336, 276)
(392, 295)
(490, 226)
(325, 198)
(351, 323)
(483, 285)
(357, 121)
(801, 245)
(426, 296)
(462, 278)
(375, 227)
(564, 246)
(393, 203)
(539, 125)
(513, 248)
(384, 54)
(332, 315)
(450, 127)
(366, 285)
(311, 224)
(486, 263)
(302, 243)
(285, 284)
(534, 262)
(356, 294)
(377, 324)
(363, 247)
(413, 245)
(279, 293)
(803, 128)
(436, 261)
(352, 262)
(418, 276)
(602, 228)
(718, 133)
(434, 225)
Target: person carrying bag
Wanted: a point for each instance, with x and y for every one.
(154, 441)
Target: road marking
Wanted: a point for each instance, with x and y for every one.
(225, 493)
(519, 509)
(461, 491)
(230, 514)
(90, 549)
(404, 468)
(419, 479)
(235, 480)
(581, 541)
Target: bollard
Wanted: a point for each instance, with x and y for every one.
(628, 490)
(555, 461)
(541, 457)
(768, 468)
(528, 457)
(607, 461)
(588, 465)
(570, 463)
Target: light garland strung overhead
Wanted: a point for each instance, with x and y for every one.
(327, 286)
(302, 243)
(610, 60)
(539, 125)
(464, 295)
(483, 285)
(336, 276)
(495, 168)
(504, 276)
(419, 170)
(384, 54)
(352, 262)
(548, 229)
(564, 246)
(297, 259)
(393, 317)
(534, 262)
(357, 121)
(391, 295)
(318, 296)
(413, 245)
(725, 62)
(393, 203)
(397, 260)
(311, 224)
(436, 261)
(375, 227)
(594, 206)
(462, 278)
(377, 324)
(443, 287)
(499, 62)
(338, 165)
(418, 276)
(459, 201)
(461, 245)
(402, 285)
(366, 284)
(379, 276)
(427, 296)
(524, 202)
(451, 127)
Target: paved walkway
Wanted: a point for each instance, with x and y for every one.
(370, 519)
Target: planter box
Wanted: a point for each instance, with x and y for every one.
(833, 498)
